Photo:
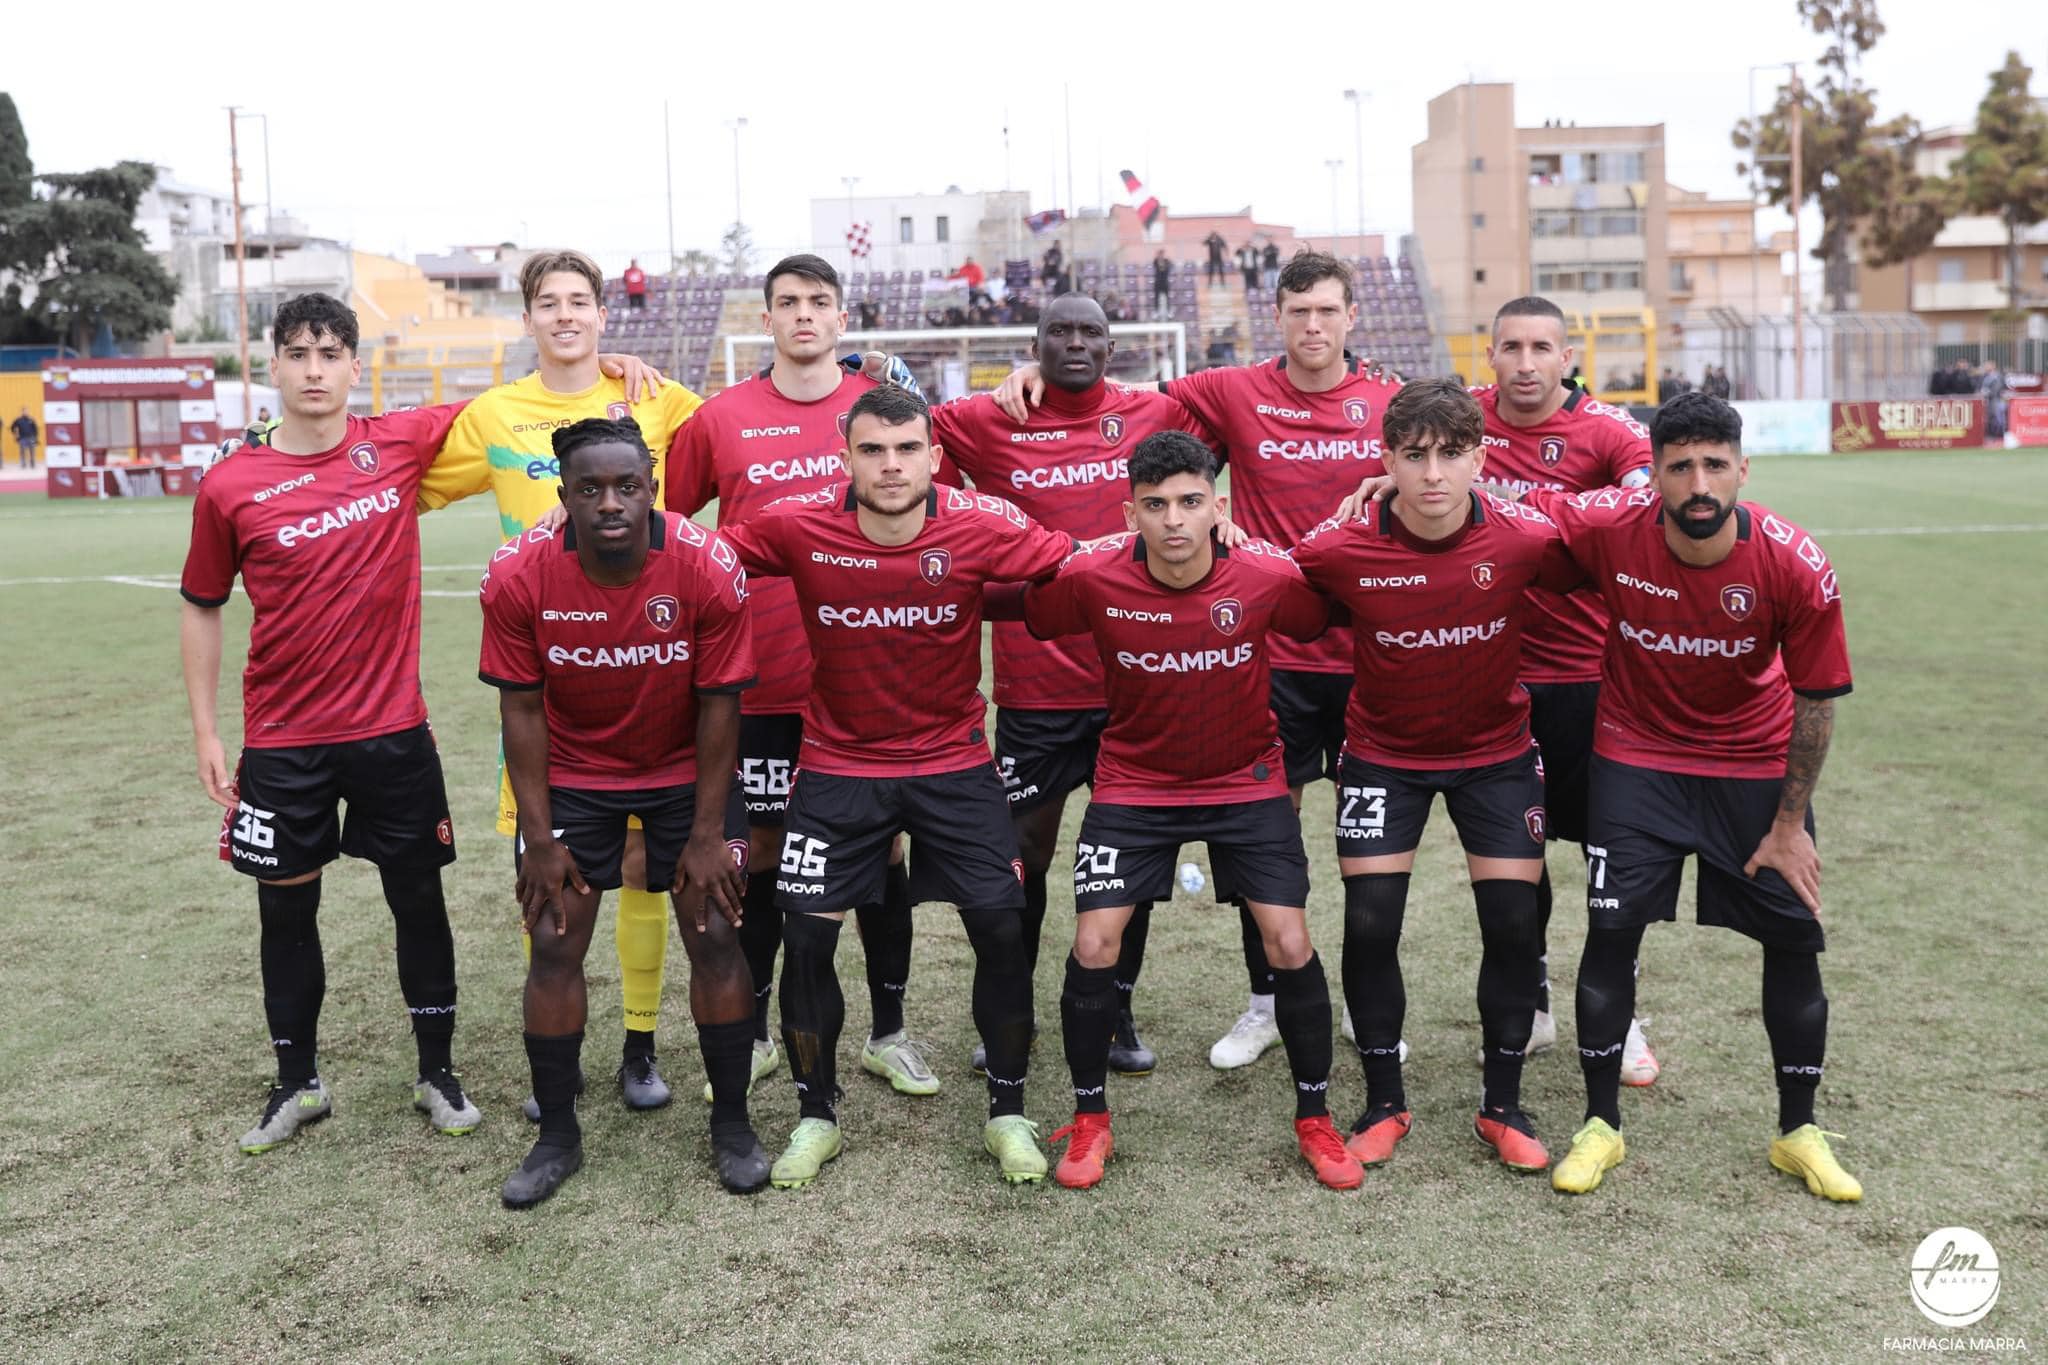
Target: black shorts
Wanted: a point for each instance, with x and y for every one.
(1561, 719)
(1043, 755)
(592, 824)
(1128, 854)
(1643, 823)
(287, 820)
(835, 847)
(1310, 709)
(768, 746)
(1497, 809)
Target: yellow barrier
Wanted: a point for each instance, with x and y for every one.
(416, 376)
(1620, 340)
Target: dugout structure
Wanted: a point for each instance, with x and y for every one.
(127, 426)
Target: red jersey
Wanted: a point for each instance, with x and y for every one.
(619, 668)
(748, 446)
(1438, 626)
(636, 280)
(329, 552)
(1585, 444)
(896, 630)
(1293, 457)
(1189, 669)
(1702, 662)
(1068, 467)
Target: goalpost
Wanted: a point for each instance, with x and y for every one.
(951, 361)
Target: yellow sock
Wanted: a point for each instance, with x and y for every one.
(643, 945)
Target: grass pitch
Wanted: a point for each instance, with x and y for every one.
(133, 1054)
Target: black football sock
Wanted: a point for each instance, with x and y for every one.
(813, 1012)
(885, 938)
(1796, 1018)
(1002, 1004)
(294, 976)
(760, 937)
(1606, 1003)
(728, 1061)
(556, 1062)
(1374, 906)
(1131, 956)
(1507, 994)
(1031, 923)
(1255, 965)
(1543, 940)
(426, 960)
(1088, 1008)
(639, 1043)
(1301, 1007)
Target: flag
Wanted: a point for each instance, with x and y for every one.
(857, 240)
(1147, 207)
(1046, 221)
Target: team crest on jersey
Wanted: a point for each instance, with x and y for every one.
(738, 849)
(1738, 600)
(1482, 574)
(363, 455)
(1355, 411)
(844, 418)
(1112, 425)
(1017, 866)
(1533, 818)
(934, 565)
(445, 831)
(1226, 615)
(661, 611)
(618, 412)
(1551, 448)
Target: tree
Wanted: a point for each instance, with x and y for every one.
(1859, 168)
(2004, 166)
(17, 172)
(695, 261)
(738, 248)
(80, 249)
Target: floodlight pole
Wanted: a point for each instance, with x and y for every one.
(1358, 99)
(241, 286)
(1335, 164)
(1798, 259)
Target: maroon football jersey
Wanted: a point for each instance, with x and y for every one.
(1068, 467)
(1438, 628)
(329, 552)
(1585, 444)
(1188, 669)
(1293, 457)
(619, 668)
(1702, 662)
(896, 630)
(748, 446)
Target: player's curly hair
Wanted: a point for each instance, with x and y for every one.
(593, 431)
(1432, 410)
(1695, 419)
(313, 314)
(1306, 269)
(893, 405)
(1164, 454)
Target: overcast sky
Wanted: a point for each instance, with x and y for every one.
(543, 123)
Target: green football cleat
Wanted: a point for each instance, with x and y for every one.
(1596, 1150)
(767, 1057)
(1012, 1140)
(1804, 1152)
(285, 1112)
(815, 1142)
(901, 1062)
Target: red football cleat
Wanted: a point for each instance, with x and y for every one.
(1326, 1155)
(1375, 1144)
(1519, 1151)
(1089, 1145)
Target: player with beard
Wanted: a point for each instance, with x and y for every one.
(619, 649)
(888, 574)
(1725, 654)
(1065, 465)
(779, 433)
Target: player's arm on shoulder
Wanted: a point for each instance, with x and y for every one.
(642, 380)
(690, 477)
(1036, 554)
(1053, 609)
(1301, 613)
(461, 467)
(762, 540)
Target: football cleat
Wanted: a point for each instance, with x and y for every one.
(1089, 1146)
(544, 1171)
(640, 1082)
(901, 1062)
(1804, 1152)
(1253, 1033)
(1012, 1140)
(742, 1164)
(766, 1059)
(1638, 1063)
(1596, 1150)
(811, 1145)
(439, 1096)
(1326, 1153)
(288, 1109)
(1513, 1138)
(1373, 1143)
(1128, 1055)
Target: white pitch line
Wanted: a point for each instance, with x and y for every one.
(1984, 529)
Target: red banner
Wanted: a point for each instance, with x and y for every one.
(2026, 420)
(1908, 424)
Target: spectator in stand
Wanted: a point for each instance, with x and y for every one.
(1994, 390)
(26, 435)
(974, 276)
(1216, 273)
(1962, 379)
(870, 316)
(1722, 389)
(636, 285)
(1055, 265)
(1667, 386)
(1162, 284)
(1248, 262)
(1063, 283)
(1270, 263)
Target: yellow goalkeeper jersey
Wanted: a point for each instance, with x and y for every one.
(503, 442)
